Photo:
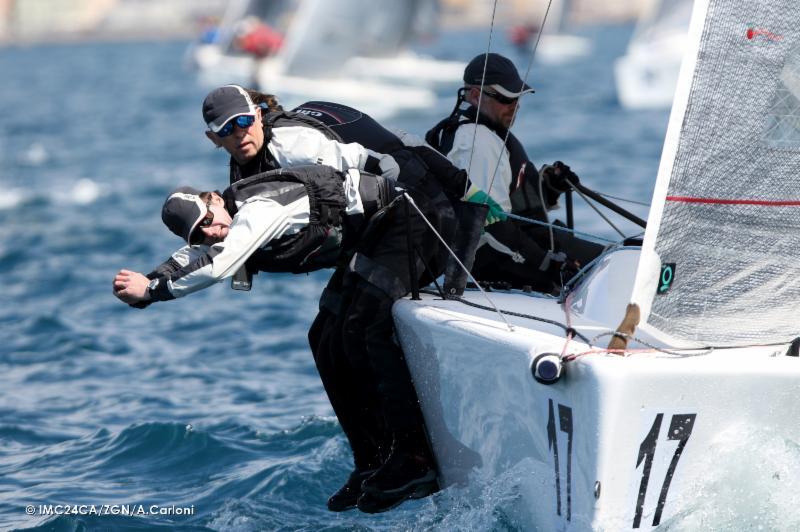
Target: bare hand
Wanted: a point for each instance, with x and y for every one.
(131, 287)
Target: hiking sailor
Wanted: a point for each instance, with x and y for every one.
(510, 251)
(280, 214)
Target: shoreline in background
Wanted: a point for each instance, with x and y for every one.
(24, 23)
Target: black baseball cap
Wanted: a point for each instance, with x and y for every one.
(182, 211)
(224, 103)
(501, 75)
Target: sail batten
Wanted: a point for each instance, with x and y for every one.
(721, 258)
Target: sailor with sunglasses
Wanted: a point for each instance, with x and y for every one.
(304, 195)
(496, 162)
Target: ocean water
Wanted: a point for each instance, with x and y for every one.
(210, 403)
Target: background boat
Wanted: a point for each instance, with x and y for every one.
(558, 44)
(647, 74)
(217, 54)
(357, 53)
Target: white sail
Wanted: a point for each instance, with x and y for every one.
(720, 257)
(557, 44)
(355, 52)
(326, 33)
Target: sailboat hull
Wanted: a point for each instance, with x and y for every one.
(616, 443)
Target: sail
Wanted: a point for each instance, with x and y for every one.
(325, 34)
(557, 16)
(720, 262)
(661, 21)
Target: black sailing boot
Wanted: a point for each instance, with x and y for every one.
(347, 496)
(408, 473)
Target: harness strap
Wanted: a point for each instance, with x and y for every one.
(376, 193)
(378, 275)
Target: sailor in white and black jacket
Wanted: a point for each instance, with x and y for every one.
(284, 215)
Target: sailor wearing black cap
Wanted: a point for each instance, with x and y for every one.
(509, 251)
(300, 200)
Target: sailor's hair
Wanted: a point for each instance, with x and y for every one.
(261, 100)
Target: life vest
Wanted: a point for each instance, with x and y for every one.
(524, 188)
(351, 125)
(330, 233)
(335, 121)
(345, 124)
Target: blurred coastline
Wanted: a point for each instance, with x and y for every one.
(27, 22)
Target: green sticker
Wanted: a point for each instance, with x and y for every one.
(666, 277)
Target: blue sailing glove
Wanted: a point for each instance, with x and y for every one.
(495, 214)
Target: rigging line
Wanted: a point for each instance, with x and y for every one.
(566, 329)
(410, 200)
(682, 351)
(559, 227)
(592, 205)
(642, 203)
(480, 98)
(516, 109)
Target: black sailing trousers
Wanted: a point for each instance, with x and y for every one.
(359, 361)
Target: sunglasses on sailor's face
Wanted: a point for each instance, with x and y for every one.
(242, 121)
(505, 100)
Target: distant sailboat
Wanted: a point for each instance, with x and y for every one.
(217, 55)
(355, 53)
(647, 74)
(556, 45)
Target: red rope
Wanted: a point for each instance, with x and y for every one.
(720, 201)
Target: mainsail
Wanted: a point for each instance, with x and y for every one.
(721, 258)
(325, 34)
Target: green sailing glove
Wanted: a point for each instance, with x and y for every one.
(495, 214)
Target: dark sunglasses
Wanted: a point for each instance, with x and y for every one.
(505, 100)
(243, 121)
(197, 236)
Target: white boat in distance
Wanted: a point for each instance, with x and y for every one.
(557, 45)
(647, 74)
(355, 53)
(217, 57)
(707, 388)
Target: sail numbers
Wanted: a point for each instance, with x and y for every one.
(565, 426)
(680, 428)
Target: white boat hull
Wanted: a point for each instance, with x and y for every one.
(560, 48)
(646, 79)
(215, 67)
(617, 443)
(376, 98)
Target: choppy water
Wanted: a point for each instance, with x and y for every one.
(211, 402)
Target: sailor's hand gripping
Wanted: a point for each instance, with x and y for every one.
(131, 287)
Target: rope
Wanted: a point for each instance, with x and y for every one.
(567, 330)
(410, 200)
(675, 351)
(592, 205)
(480, 97)
(516, 109)
(643, 204)
(559, 227)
